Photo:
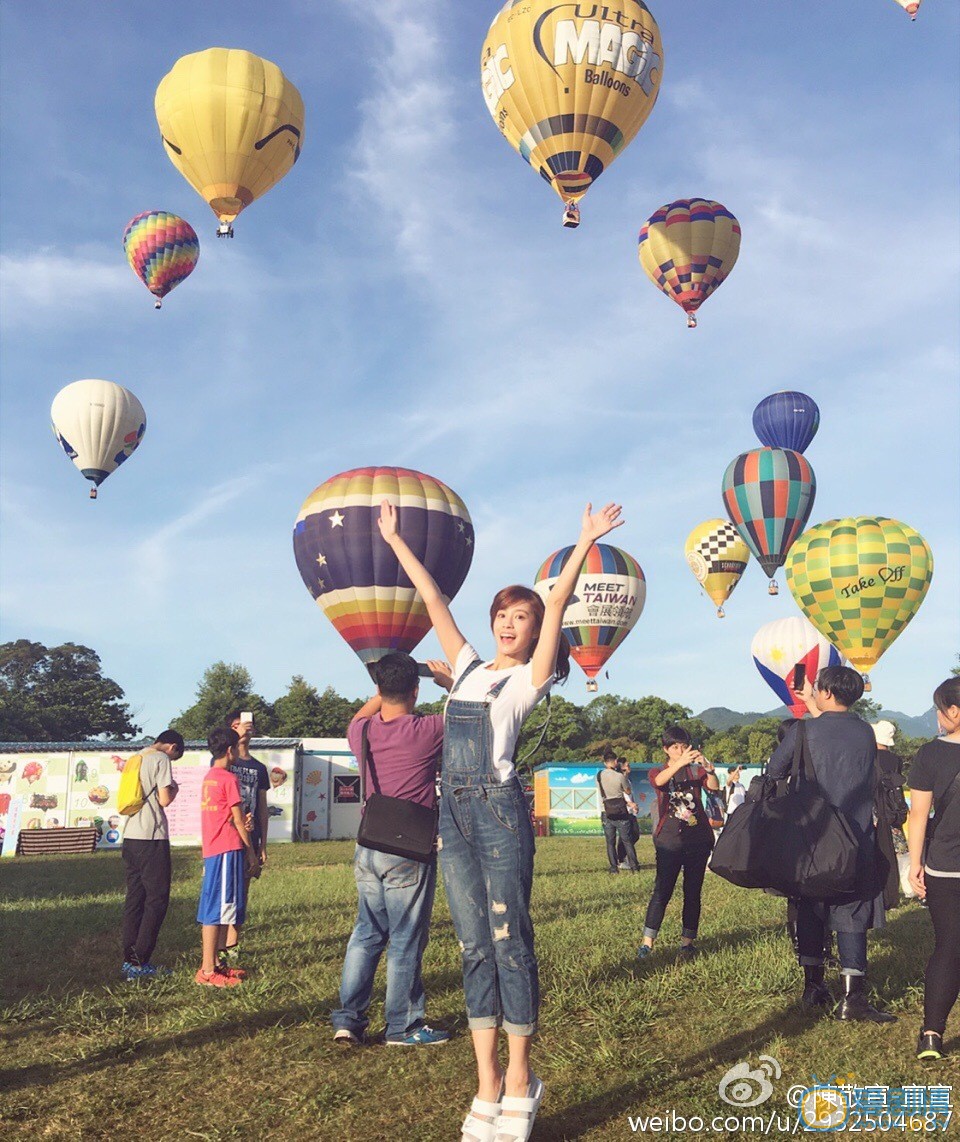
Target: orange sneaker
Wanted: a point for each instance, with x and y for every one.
(216, 978)
(223, 965)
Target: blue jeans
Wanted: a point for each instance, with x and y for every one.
(622, 830)
(486, 857)
(395, 903)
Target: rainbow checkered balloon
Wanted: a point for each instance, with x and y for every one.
(162, 249)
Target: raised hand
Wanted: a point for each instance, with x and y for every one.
(388, 521)
(595, 525)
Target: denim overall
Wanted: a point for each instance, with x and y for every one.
(486, 857)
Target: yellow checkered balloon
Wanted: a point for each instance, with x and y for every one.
(860, 581)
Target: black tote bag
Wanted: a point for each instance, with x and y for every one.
(788, 837)
(391, 824)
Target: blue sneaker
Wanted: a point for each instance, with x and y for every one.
(644, 951)
(423, 1037)
(131, 972)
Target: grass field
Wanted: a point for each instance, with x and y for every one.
(87, 1056)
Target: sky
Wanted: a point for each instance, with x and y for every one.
(407, 296)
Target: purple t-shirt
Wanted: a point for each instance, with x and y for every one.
(406, 755)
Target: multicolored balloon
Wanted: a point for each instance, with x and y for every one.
(779, 646)
(570, 85)
(355, 577)
(607, 601)
(769, 494)
(717, 557)
(687, 249)
(786, 420)
(860, 581)
(232, 125)
(98, 424)
(911, 7)
(162, 250)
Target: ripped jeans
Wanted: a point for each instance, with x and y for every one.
(486, 858)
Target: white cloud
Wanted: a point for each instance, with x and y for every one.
(72, 284)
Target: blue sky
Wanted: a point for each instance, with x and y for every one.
(407, 296)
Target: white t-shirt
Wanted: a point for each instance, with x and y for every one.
(736, 796)
(508, 711)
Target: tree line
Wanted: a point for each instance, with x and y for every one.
(60, 694)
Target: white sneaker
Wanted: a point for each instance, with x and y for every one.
(347, 1037)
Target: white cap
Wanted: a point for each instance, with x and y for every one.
(883, 732)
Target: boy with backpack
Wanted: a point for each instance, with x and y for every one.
(224, 839)
(146, 789)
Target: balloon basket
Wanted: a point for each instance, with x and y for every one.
(592, 686)
(93, 493)
(773, 589)
(720, 614)
(866, 684)
(691, 321)
(158, 304)
(225, 230)
(571, 216)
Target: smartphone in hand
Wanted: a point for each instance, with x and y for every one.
(799, 676)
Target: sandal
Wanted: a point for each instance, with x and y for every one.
(481, 1129)
(519, 1127)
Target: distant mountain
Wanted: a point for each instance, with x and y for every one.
(719, 718)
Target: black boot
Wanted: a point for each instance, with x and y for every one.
(856, 1006)
(815, 992)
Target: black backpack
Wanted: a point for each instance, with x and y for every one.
(890, 796)
(788, 837)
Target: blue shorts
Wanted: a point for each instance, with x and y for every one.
(223, 892)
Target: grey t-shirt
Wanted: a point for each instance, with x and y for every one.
(614, 784)
(150, 824)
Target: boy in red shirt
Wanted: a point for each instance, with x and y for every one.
(224, 837)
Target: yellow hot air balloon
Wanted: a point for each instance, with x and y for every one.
(718, 557)
(860, 581)
(232, 124)
(687, 249)
(569, 85)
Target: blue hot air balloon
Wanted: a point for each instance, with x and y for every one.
(786, 420)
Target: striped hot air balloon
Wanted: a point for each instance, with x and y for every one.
(860, 581)
(606, 603)
(768, 494)
(355, 577)
(162, 250)
(569, 85)
(687, 249)
(786, 420)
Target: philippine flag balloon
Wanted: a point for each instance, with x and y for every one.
(98, 424)
(607, 601)
(355, 578)
(784, 644)
(162, 250)
(860, 581)
(786, 420)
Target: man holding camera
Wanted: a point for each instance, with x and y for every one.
(616, 801)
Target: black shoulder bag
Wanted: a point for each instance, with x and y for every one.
(787, 836)
(615, 808)
(391, 824)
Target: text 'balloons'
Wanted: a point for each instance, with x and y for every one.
(570, 85)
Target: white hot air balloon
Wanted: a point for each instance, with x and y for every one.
(779, 647)
(98, 424)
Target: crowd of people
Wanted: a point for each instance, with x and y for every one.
(484, 840)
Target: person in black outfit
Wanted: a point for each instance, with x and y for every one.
(843, 752)
(935, 782)
(682, 839)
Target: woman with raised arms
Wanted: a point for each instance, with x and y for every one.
(486, 837)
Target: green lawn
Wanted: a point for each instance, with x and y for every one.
(85, 1055)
